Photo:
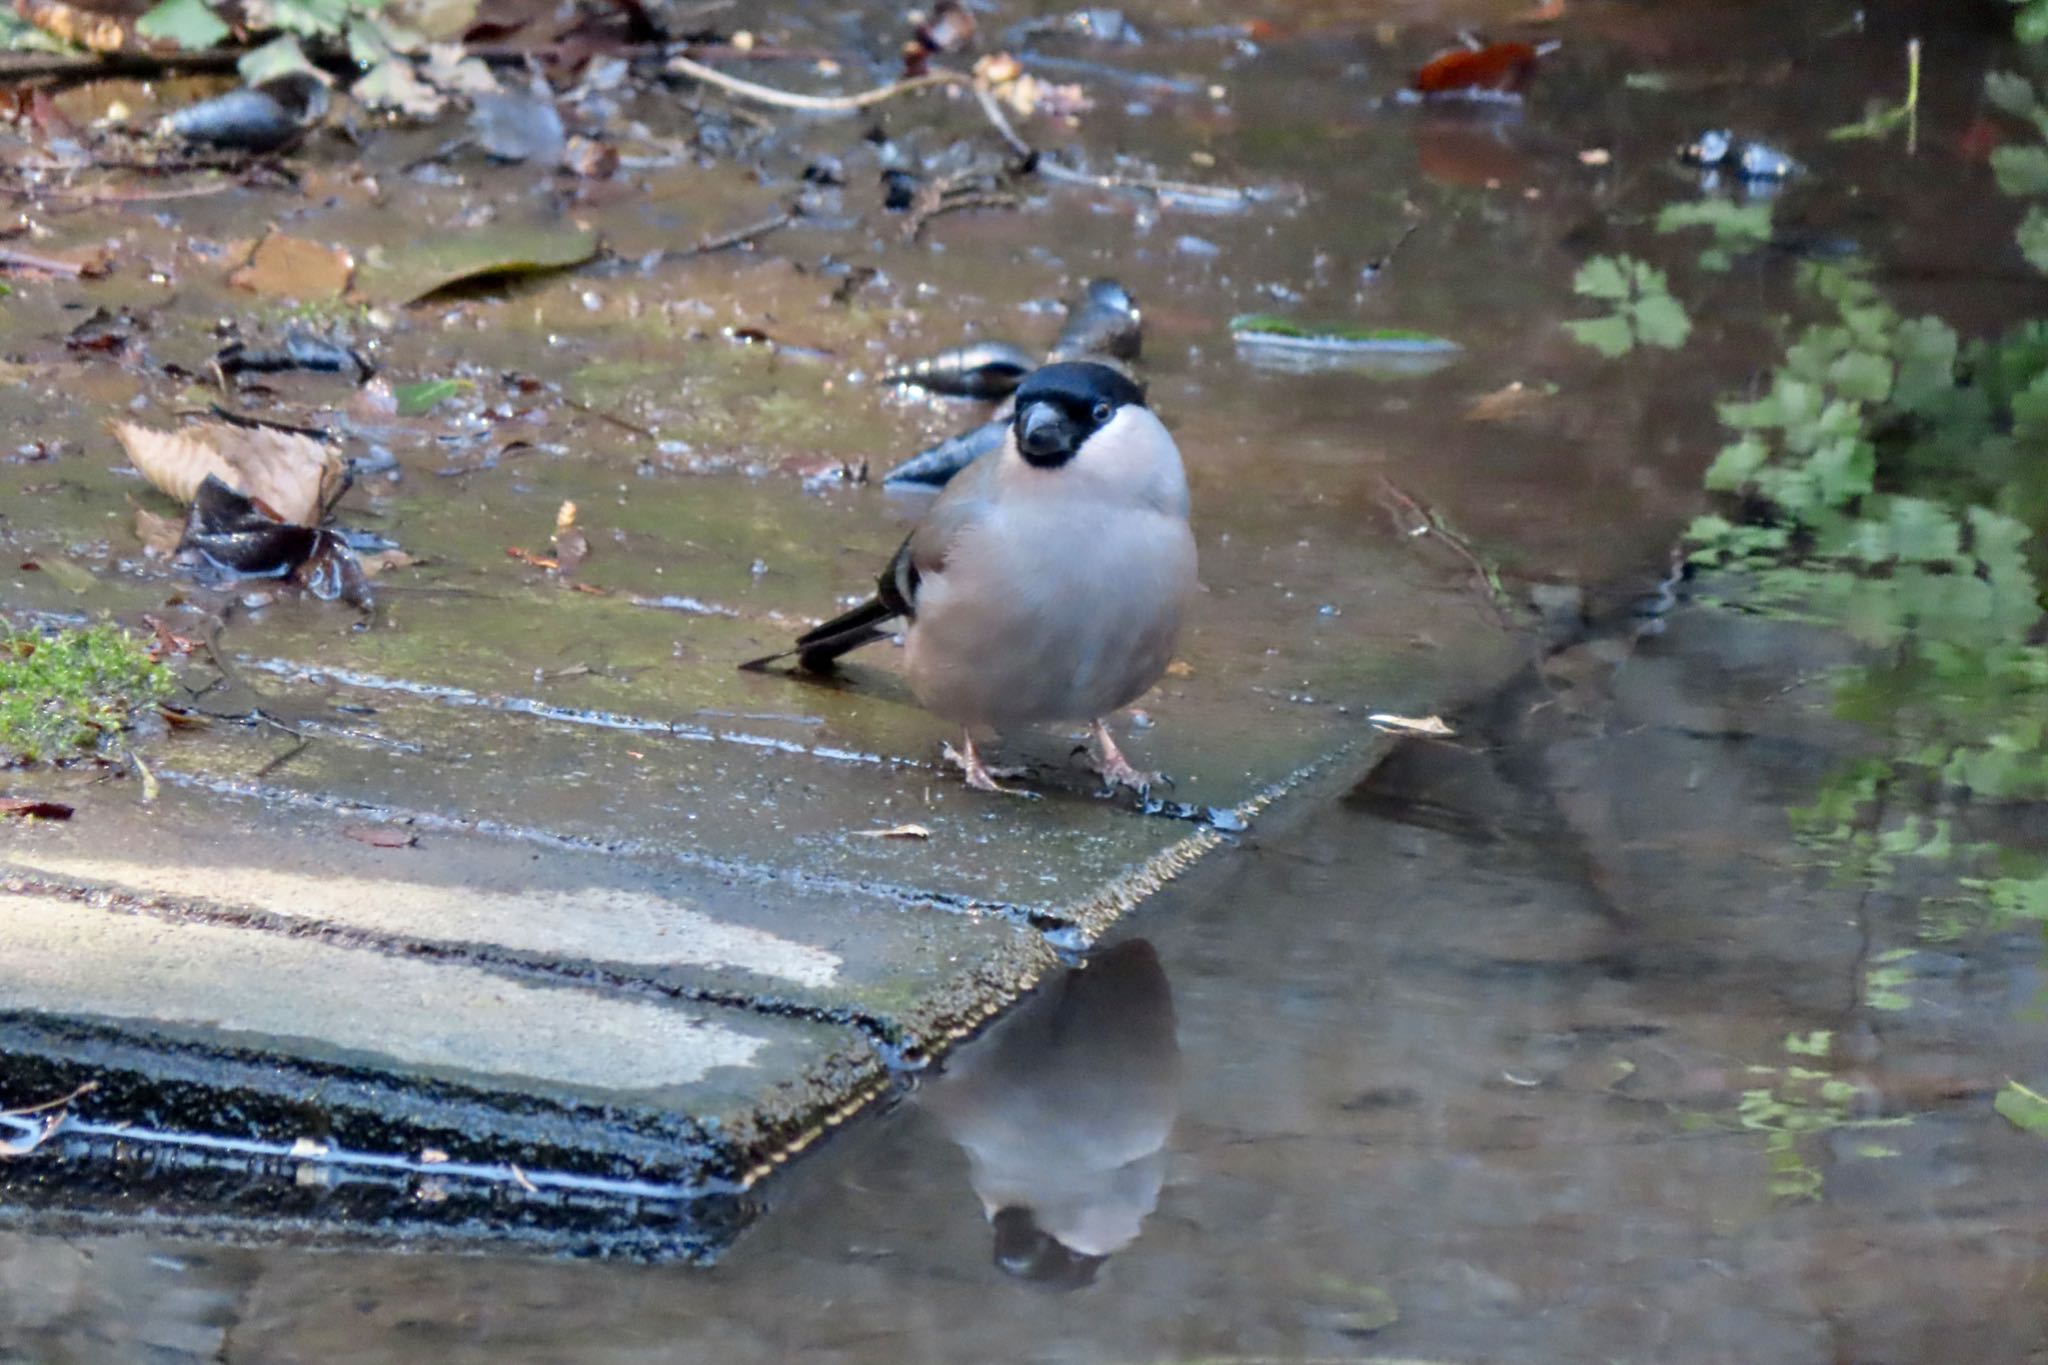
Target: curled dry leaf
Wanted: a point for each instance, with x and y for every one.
(1411, 725)
(294, 477)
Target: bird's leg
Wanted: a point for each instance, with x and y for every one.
(979, 775)
(1112, 767)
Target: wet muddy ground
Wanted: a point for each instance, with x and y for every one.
(1460, 1065)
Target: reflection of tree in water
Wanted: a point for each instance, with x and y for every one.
(1063, 1110)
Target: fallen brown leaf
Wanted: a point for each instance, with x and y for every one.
(80, 26)
(294, 268)
(294, 477)
(898, 832)
(159, 534)
(1505, 404)
(382, 836)
(167, 641)
(29, 807)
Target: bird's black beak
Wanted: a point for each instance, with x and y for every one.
(1044, 435)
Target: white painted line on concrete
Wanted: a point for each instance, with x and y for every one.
(61, 958)
(603, 924)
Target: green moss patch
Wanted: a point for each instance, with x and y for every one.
(72, 694)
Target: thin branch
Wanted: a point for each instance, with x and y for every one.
(973, 188)
(12, 258)
(78, 199)
(118, 64)
(816, 104)
(47, 1105)
(737, 237)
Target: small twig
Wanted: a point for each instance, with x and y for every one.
(1427, 522)
(1912, 97)
(1029, 158)
(816, 104)
(48, 1105)
(80, 199)
(1386, 258)
(992, 110)
(603, 416)
(118, 64)
(13, 258)
(737, 237)
(973, 188)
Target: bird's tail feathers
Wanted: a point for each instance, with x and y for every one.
(817, 649)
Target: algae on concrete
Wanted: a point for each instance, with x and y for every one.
(74, 692)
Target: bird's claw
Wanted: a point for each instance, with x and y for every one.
(979, 775)
(1115, 770)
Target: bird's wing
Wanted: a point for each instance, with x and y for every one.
(968, 498)
(965, 502)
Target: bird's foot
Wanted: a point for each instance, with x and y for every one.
(1114, 769)
(979, 775)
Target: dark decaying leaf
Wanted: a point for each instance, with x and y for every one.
(240, 120)
(103, 331)
(237, 536)
(240, 538)
(29, 807)
(302, 350)
(332, 571)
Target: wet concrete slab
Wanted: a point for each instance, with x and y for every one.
(619, 844)
(602, 811)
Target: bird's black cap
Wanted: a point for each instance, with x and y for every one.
(1061, 406)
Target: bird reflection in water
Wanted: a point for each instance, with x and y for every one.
(1063, 1110)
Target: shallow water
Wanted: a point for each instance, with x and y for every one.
(1447, 1069)
(1450, 1066)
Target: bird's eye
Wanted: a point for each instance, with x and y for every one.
(1103, 412)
